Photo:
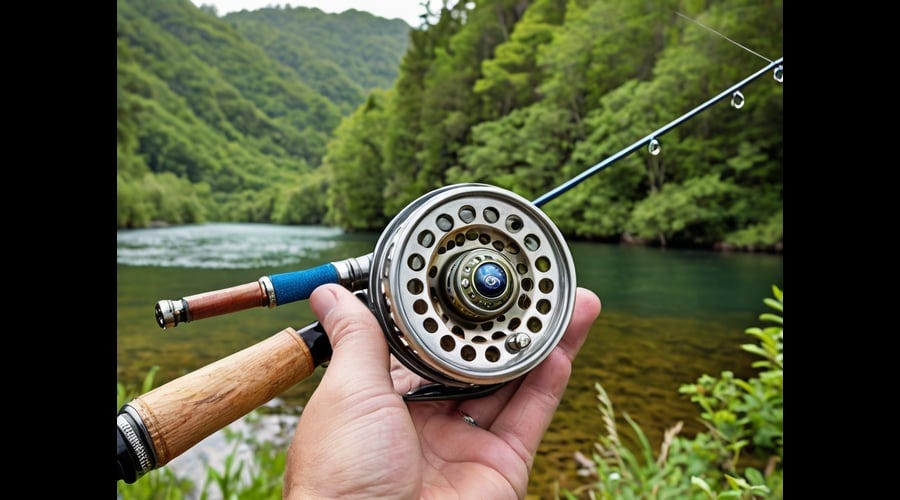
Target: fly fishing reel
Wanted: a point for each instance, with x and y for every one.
(472, 285)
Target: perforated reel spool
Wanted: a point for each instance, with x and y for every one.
(473, 285)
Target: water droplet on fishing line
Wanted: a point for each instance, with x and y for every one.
(653, 147)
(737, 100)
(778, 74)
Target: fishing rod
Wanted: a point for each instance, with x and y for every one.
(652, 139)
(472, 285)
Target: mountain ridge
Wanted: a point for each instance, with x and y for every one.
(211, 126)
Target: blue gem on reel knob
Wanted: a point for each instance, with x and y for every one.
(490, 280)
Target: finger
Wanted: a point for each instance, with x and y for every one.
(359, 351)
(524, 420)
(587, 308)
(486, 409)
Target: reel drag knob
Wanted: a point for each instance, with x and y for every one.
(481, 285)
(473, 285)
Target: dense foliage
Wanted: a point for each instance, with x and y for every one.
(210, 125)
(523, 94)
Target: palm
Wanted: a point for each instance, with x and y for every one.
(462, 460)
(457, 458)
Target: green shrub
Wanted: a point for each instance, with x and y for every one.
(745, 425)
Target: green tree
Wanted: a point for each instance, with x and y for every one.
(510, 79)
(405, 125)
(354, 162)
(450, 108)
(306, 202)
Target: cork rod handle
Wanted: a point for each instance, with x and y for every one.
(186, 410)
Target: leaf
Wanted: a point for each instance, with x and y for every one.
(738, 446)
(645, 443)
(759, 489)
(774, 304)
(737, 483)
(632, 463)
(754, 476)
(743, 384)
(148, 380)
(755, 349)
(777, 293)
(765, 338)
(688, 389)
(700, 483)
(120, 395)
(771, 317)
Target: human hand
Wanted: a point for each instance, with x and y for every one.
(358, 438)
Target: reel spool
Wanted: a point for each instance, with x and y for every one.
(473, 285)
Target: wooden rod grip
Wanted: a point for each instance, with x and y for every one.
(226, 300)
(181, 413)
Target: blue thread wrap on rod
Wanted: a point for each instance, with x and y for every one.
(291, 287)
(578, 179)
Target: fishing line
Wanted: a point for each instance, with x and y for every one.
(652, 139)
(698, 23)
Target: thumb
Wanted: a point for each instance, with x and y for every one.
(359, 351)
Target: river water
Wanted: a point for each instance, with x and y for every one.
(668, 317)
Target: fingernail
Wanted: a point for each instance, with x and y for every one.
(322, 301)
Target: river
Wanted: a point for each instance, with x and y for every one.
(668, 317)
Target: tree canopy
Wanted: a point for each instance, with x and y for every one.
(526, 95)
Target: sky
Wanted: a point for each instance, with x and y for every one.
(408, 10)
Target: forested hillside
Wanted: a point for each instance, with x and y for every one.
(211, 126)
(526, 95)
(516, 93)
(341, 56)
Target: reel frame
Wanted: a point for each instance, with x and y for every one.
(436, 321)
